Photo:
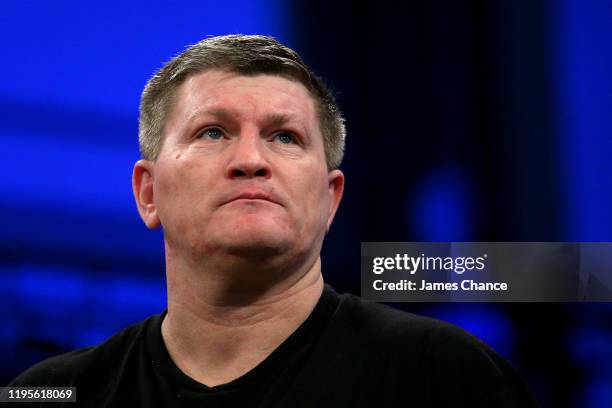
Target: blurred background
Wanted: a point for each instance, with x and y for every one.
(467, 121)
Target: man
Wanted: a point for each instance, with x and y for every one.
(241, 145)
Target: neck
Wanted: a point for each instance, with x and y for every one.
(219, 326)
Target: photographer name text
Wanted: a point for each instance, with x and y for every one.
(413, 264)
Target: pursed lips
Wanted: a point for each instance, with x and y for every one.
(252, 195)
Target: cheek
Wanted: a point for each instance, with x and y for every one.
(179, 192)
(169, 184)
(315, 200)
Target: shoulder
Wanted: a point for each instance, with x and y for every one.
(446, 359)
(391, 331)
(86, 364)
(384, 324)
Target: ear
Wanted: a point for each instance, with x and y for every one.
(142, 184)
(336, 188)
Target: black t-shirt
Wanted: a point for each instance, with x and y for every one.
(347, 353)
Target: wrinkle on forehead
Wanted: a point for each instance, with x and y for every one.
(283, 94)
(235, 97)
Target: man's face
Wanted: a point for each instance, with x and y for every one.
(242, 169)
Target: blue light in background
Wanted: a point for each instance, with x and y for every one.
(482, 320)
(582, 33)
(440, 209)
(591, 348)
(57, 297)
(99, 54)
(598, 394)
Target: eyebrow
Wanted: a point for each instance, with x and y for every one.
(269, 120)
(279, 119)
(220, 113)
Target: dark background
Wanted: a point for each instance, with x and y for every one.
(467, 121)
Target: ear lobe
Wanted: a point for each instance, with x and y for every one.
(142, 185)
(336, 189)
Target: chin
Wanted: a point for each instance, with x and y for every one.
(254, 251)
(246, 240)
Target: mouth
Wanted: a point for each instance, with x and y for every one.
(253, 196)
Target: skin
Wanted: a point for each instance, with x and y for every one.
(242, 191)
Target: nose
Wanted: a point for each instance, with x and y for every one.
(248, 157)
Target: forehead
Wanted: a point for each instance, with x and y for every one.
(246, 97)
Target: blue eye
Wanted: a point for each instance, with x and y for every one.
(285, 138)
(212, 134)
